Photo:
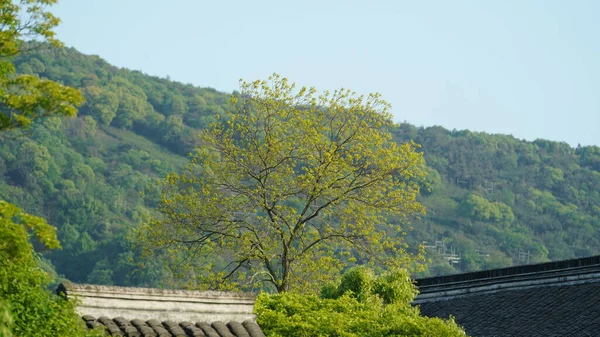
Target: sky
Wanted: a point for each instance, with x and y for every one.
(521, 67)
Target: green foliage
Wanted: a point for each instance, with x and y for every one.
(101, 103)
(26, 98)
(27, 308)
(34, 310)
(360, 283)
(63, 169)
(590, 157)
(357, 281)
(382, 309)
(479, 208)
(287, 184)
(513, 201)
(6, 320)
(552, 189)
(14, 232)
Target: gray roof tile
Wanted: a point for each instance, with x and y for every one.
(120, 326)
(545, 300)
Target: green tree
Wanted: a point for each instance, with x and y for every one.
(481, 209)
(288, 184)
(360, 305)
(133, 105)
(101, 104)
(25, 98)
(26, 307)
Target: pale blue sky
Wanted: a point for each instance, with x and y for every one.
(526, 68)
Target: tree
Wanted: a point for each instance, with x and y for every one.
(288, 185)
(26, 307)
(26, 98)
(133, 105)
(360, 305)
(102, 104)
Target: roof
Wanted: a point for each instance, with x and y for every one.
(120, 326)
(126, 311)
(548, 299)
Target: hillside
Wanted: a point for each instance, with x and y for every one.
(498, 201)
(492, 200)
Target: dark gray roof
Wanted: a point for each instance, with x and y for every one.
(550, 299)
(138, 328)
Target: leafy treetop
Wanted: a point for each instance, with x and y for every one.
(288, 184)
(362, 304)
(25, 98)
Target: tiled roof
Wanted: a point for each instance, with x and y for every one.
(138, 328)
(144, 312)
(550, 299)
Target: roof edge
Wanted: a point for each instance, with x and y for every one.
(164, 304)
(510, 271)
(93, 290)
(573, 271)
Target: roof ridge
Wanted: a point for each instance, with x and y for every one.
(166, 304)
(540, 269)
(78, 288)
(569, 272)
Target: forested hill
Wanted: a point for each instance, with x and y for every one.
(493, 200)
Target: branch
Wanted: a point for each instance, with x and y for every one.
(239, 264)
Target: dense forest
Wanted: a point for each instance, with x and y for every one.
(491, 200)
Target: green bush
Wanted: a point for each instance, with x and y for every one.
(27, 308)
(360, 305)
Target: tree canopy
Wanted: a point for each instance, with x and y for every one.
(25, 98)
(84, 176)
(288, 182)
(27, 308)
(361, 304)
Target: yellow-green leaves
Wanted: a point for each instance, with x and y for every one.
(26, 307)
(15, 227)
(292, 186)
(25, 98)
(361, 305)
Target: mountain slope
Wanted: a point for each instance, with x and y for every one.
(493, 200)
